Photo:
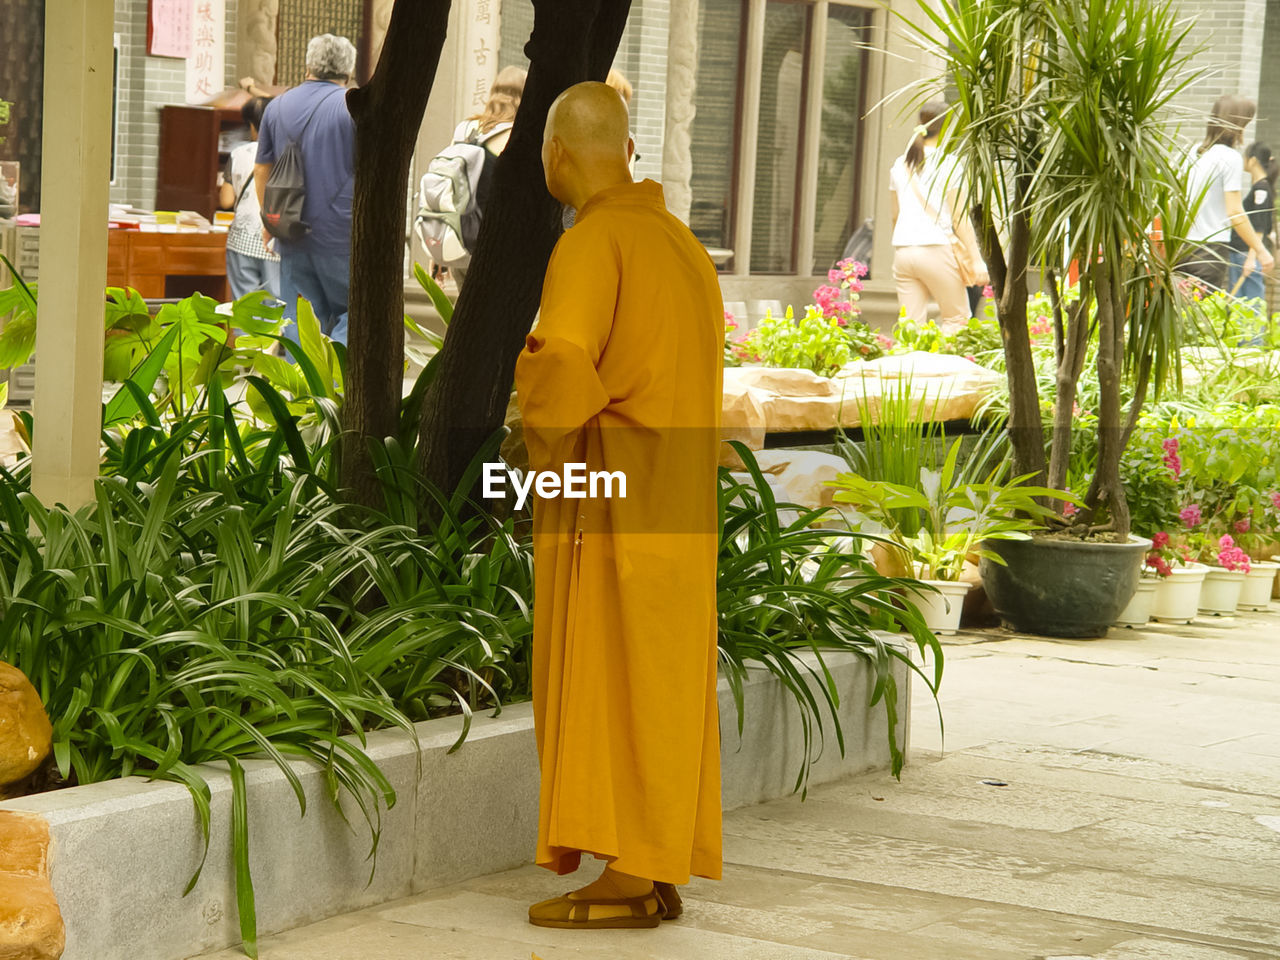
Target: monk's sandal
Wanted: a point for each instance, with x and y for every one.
(672, 905)
(599, 913)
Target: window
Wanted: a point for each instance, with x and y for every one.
(713, 137)
(793, 157)
(840, 151)
(779, 132)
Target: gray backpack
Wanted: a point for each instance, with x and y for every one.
(451, 196)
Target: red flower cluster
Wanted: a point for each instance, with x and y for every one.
(1190, 515)
(1171, 458)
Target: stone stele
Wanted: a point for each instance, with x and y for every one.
(25, 733)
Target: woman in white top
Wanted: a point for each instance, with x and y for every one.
(250, 264)
(926, 193)
(1215, 179)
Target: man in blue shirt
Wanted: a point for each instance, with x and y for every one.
(315, 115)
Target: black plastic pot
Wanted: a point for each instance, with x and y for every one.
(1062, 588)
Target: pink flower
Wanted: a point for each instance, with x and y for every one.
(971, 358)
(1160, 540)
(1171, 458)
(1159, 564)
(1069, 509)
(835, 277)
(1242, 526)
(887, 343)
(988, 293)
(1190, 515)
(1275, 499)
(842, 322)
(1232, 557)
(1170, 445)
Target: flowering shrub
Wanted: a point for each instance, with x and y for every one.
(827, 337)
(735, 345)
(1231, 557)
(815, 342)
(1165, 552)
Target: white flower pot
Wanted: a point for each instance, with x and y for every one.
(1178, 595)
(1138, 612)
(1221, 592)
(1256, 592)
(941, 610)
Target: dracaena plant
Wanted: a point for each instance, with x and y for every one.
(952, 516)
(1063, 117)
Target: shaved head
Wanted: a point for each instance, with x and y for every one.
(587, 140)
(589, 117)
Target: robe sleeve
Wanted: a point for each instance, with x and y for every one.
(557, 383)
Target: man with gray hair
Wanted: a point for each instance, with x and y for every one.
(315, 117)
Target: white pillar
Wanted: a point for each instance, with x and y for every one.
(73, 249)
(682, 77)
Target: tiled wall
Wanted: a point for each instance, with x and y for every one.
(1232, 32)
(146, 84)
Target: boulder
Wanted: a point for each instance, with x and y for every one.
(31, 925)
(800, 476)
(949, 387)
(742, 418)
(784, 381)
(26, 735)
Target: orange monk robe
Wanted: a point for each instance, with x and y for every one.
(623, 372)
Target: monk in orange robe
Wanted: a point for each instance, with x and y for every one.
(623, 374)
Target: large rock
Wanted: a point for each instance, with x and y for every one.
(800, 476)
(742, 417)
(948, 387)
(25, 733)
(31, 925)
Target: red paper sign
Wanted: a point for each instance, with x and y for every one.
(169, 28)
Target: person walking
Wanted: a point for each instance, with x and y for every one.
(1244, 278)
(623, 374)
(1215, 179)
(491, 129)
(935, 252)
(315, 116)
(250, 265)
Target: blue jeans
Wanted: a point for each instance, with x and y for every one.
(1253, 287)
(245, 274)
(323, 279)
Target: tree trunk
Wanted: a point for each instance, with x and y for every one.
(1107, 488)
(387, 113)
(573, 40)
(1026, 430)
(1072, 348)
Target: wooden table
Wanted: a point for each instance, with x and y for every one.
(160, 265)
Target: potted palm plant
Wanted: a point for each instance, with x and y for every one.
(1061, 121)
(938, 524)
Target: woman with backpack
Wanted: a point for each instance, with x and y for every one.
(250, 265)
(455, 188)
(935, 251)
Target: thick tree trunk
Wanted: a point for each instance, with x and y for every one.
(387, 113)
(1026, 430)
(573, 40)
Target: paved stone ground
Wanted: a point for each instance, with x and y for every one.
(1106, 800)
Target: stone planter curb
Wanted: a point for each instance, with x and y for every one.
(124, 850)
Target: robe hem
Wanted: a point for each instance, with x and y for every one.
(571, 859)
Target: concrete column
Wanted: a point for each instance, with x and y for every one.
(73, 250)
(682, 71)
